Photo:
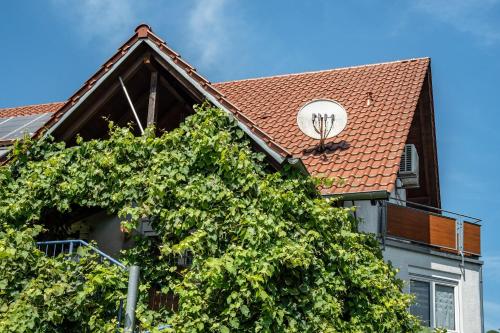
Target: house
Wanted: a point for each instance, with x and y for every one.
(386, 155)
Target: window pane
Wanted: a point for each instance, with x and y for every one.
(421, 306)
(445, 307)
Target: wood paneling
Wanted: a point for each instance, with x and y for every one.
(407, 223)
(423, 135)
(421, 226)
(472, 238)
(159, 300)
(443, 231)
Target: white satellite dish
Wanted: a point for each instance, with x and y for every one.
(322, 119)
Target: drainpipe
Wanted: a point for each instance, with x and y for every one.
(133, 287)
(481, 297)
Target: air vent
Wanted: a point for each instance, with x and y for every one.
(408, 168)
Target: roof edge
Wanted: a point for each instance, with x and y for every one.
(274, 154)
(144, 34)
(372, 195)
(325, 70)
(30, 105)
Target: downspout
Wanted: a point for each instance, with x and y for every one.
(355, 213)
(481, 297)
(374, 195)
(298, 164)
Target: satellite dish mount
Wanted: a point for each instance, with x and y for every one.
(322, 119)
(323, 124)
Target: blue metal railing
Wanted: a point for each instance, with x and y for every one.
(70, 246)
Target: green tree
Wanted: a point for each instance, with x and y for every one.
(42, 294)
(270, 255)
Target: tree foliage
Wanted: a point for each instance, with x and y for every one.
(270, 255)
(42, 294)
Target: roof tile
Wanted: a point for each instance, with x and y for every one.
(375, 133)
(30, 110)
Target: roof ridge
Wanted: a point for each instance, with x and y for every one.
(29, 105)
(324, 70)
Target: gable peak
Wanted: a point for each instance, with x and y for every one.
(142, 30)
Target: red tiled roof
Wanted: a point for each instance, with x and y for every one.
(30, 109)
(367, 153)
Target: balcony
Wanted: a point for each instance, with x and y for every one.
(444, 231)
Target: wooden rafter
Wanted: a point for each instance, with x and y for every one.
(153, 100)
(110, 92)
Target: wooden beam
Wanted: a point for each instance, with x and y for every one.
(149, 63)
(185, 83)
(93, 108)
(153, 100)
(174, 92)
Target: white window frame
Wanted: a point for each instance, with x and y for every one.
(432, 284)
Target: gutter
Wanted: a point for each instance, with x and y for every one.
(373, 195)
(298, 164)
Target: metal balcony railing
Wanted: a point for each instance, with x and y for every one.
(434, 227)
(70, 246)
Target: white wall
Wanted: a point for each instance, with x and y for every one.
(367, 213)
(436, 268)
(105, 230)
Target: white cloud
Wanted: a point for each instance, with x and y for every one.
(209, 30)
(469, 16)
(107, 21)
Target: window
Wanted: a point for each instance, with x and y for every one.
(445, 306)
(422, 304)
(434, 304)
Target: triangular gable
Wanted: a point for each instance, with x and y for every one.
(124, 63)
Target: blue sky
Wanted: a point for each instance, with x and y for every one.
(50, 48)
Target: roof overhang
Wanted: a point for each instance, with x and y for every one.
(373, 195)
(275, 155)
(82, 99)
(279, 158)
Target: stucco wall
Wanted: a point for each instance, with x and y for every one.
(105, 230)
(368, 213)
(437, 268)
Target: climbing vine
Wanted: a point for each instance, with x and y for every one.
(42, 294)
(269, 254)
